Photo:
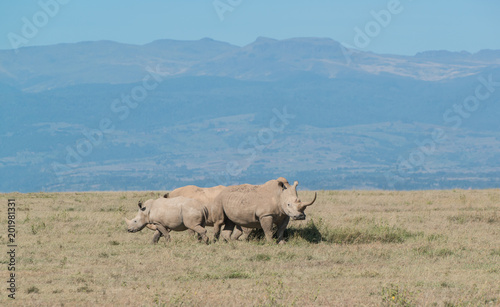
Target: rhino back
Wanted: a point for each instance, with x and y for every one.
(203, 195)
(244, 204)
(190, 191)
(212, 193)
(168, 212)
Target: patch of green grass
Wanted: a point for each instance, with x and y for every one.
(232, 274)
(459, 219)
(80, 280)
(315, 232)
(495, 252)
(260, 257)
(370, 274)
(33, 289)
(286, 255)
(445, 284)
(394, 295)
(467, 218)
(63, 262)
(275, 294)
(236, 275)
(63, 216)
(361, 220)
(429, 251)
(120, 208)
(36, 227)
(435, 237)
(210, 276)
(444, 252)
(374, 233)
(84, 289)
(103, 255)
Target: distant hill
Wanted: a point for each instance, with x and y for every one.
(208, 112)
(42, 68)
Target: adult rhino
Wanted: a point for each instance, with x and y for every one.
(203, 195)
(177, 213)
(259, 206)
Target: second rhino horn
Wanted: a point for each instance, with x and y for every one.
(312, 202)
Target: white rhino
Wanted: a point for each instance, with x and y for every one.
(205, 196)
(177, 213)
(259, 206)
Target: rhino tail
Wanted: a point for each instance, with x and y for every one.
(205, 216)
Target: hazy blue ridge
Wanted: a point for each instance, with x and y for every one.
(213, 114)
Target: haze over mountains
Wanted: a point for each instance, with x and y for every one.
(110, 116)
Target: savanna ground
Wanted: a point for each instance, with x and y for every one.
(425, 248)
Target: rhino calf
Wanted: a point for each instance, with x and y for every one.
(177, 214)
(203, 195)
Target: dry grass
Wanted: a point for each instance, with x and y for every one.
(355, 248)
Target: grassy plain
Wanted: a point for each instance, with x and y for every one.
(425, 248)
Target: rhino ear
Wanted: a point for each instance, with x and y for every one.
(296, 183)
(282, 185)
(166, 195)
(140, 204)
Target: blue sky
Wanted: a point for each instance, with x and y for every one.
(414, 26)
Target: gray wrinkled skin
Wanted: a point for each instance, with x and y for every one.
(177, 214)
(206, 196)
(259, 206)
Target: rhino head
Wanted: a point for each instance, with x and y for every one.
(141, 219)
(290, 202)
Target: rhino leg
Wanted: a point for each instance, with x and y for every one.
(156, 236)
(246, 233)
(228, 229)
(217, 226)
(266, 223)
(281, 230)
(164, 232)
(241, 233)
(151, 226)
(236, 232)
(202, 232)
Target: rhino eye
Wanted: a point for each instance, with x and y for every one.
(289, 205)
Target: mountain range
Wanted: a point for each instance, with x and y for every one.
(109, 116)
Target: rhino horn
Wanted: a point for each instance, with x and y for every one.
(127, 221)
(310, 203)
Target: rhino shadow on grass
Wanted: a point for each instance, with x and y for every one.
(315, 231)
(309, 233)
